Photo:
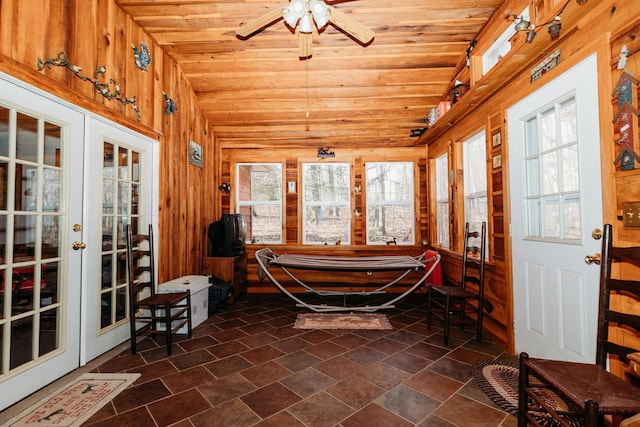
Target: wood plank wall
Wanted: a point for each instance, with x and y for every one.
(608, 17)
(97, 32)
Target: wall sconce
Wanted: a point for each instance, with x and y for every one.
(531, 34)
(225, 187)
(554, 28)
(521, 24)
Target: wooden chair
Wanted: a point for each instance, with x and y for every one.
(590, 387)
(451, 303)
(150, 312)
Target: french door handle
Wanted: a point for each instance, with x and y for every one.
(79, 245)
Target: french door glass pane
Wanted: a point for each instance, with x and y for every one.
(31, 212)
(121, 187)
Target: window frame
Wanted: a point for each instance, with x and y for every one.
(502, 45)
(411, 203)
(442, 224)
(479, 138)
(239, 204)
(304, 204)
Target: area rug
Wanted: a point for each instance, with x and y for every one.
(499, 381)
(75, 403)
(342, 321)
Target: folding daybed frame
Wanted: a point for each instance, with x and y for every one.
(405, 263)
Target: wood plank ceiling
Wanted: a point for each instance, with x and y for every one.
(256, 92)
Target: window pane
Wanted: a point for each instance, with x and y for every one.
(572, 219)
(326, 182)
(551, 217)
(570, 178)
(535, 219)
(533, 177)
(326, 224)
(531, 137)
(550, 175)
(568, 122)
(548, 130)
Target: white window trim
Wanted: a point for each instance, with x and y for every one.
(410, 203)
(305, 204)
(241, 203)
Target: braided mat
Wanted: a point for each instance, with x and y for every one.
(499, 381)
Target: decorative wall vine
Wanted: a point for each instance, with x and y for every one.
(110, 89)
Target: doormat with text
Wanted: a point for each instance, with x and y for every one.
(75, 403)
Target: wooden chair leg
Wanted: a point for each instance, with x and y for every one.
(132, 328)
(167, 314)
(447, 310)
(479, 322)
(429, 296)
(523, 384)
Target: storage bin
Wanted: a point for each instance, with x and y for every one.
(199, 288)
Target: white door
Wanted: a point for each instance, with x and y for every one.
(41, 167)
(120, 190)
(556, 203)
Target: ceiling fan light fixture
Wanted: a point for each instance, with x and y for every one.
(306, 23)
(294, 12)
(320, 13)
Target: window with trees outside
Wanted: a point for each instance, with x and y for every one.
(259, 199)
(390, 208)
(442, 200)
(474, 153)
(326, 203)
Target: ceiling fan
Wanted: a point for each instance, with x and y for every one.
(303, 14)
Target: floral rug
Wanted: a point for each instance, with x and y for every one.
(75, 403)
(342, 321)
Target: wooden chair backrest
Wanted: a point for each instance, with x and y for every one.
(607, 316)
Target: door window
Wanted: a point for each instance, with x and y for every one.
(551, 163)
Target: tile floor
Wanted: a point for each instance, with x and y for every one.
(247, 366)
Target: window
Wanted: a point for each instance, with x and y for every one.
(259, 199)
(442, 199)
(502, 45)
(326, 206)
(474, 153)
(551, 171)
(390, 203)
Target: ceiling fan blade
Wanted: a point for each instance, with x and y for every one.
(350, 25)
(252, 26)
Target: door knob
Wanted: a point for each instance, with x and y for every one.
(592, 259)
(596, 234)
(79, 245)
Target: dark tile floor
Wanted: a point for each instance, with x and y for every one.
(247, 366)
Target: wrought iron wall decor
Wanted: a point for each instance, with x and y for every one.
(110, 89)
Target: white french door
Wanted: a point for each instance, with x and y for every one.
(120, 179)
(556, 203)
(69, 183)
(41, 169)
